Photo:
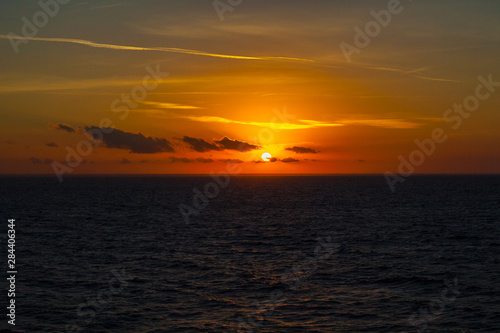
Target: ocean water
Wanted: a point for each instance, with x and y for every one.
(266, 254)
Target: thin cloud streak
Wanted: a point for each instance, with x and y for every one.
(409, 72)
(384, 123)
(48, 84)
(306, 123)
(435, 79)
(280, 126)
(172, 106)
(158, 49)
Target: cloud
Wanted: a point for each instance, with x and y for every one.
(226, 143)
(174, 159)
(289, 160)
(200, 145)
(230, 160)
(435, 79)
(10, 142)
(171, 106)
(272, 160)
(62, 127)
(418, 70)
(52, 144)
(384, 123)
(300, 124)
(35, 160)
(303, 123)
(124, 161)
(50, 83)
(302, 150)
(158, 49)
(204, 160)
(136, 143)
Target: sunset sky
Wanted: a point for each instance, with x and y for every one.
(270, 77)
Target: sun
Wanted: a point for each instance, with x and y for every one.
(266, 157)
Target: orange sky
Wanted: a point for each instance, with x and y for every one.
(235, 78)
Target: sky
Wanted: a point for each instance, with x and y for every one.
(198, 87)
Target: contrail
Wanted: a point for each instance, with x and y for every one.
(158, 49)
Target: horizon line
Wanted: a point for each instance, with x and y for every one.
(238, 175)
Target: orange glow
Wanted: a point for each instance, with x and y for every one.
(270, 84)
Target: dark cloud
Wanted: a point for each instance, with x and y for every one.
(226, 143)
(174, 159)
(35, 160)
(302, 150)
(124, 161)
(52, 144)
(275, 159)
(10, 142)
(289, 160)
(200, 145)
(137, 143)
(204, 160)
(229, 160)
(62, 127)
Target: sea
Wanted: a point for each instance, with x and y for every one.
(252, 254)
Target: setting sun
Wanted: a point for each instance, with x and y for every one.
(266, 157)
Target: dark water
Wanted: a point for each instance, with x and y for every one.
(268, 254)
